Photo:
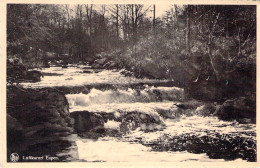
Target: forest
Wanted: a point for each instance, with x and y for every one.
(213, 47)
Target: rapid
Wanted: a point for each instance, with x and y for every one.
(143, 120)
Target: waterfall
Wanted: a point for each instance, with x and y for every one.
(149, 94)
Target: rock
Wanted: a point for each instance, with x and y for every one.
(15, 72)
(46, 64)
(126, 72)
(215, 146)
(87, 71)
(85, 121)
(19, 73)
(41, 120)
(14, 129)
(96, 66)
(132, 120)
(192, 104)
(101, 61)
(33, 76)
(91, 125)
(98, 70)
(110, 65)
(245, 121)
(239, 109)
(90, 60)
(167, 114)
(70, 78)
(208, 109)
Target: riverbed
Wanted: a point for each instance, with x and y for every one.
(171, 135)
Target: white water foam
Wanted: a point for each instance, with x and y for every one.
(112, 150)
(111, 124)
(118, 108)
(149, 94)
(196, 125)
(126, 150)
(73, 76)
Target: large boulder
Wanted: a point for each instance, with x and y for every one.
(90, 60)
(126, 72)
(99, 63)
(33, 76)
(96, 66)
(110, 65)
(17, 72)
(242, 109)
(85, 121)
(46, 64)
(133, 120)
(39, 124)
(91, 125)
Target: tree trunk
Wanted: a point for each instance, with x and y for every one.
(188, 30)
(154, 29)
(117, 22)
(216, 72)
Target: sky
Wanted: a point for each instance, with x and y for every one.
(160, 9)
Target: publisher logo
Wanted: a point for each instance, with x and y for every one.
(14, 157)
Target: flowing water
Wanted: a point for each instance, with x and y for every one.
(145, 123)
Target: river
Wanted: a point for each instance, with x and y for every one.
(147, 124)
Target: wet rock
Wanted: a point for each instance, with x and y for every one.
(167, 114)
(42, 123)
(90, 60)
(33, 76)
(87, 71)
(98, 70)
(101, 61)
(109, 116)
(96, 66)
(16, 72)
(14, 130)
(217, 146)
(110, 65)
(89, 124)
(208, 109)
(70, 78)
(85, 121)
(46, 64)
(133, 120)
(242, 109)
(184, 106)
(187, 108)
(126, 72)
